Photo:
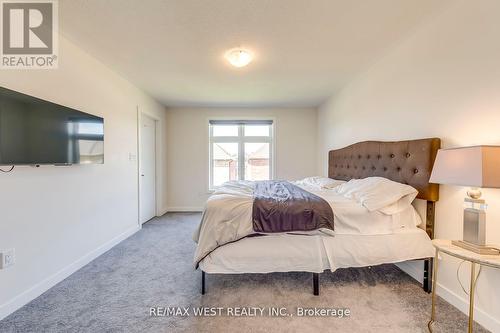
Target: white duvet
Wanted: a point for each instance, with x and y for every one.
(227, 216)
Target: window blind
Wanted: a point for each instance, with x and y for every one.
(240, 122)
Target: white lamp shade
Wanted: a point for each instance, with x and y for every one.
(477, 166)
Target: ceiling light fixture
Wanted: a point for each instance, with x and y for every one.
(238, 57)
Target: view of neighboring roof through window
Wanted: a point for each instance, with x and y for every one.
(240, 150)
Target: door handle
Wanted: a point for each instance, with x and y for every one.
(142, 175)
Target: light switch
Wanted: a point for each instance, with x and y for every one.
(7, 258)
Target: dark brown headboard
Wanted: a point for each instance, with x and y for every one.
(408, 162)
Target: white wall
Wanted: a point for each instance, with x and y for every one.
(59, 218)
(187, 148)
(444, 81)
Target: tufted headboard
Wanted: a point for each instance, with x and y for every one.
(408, 162)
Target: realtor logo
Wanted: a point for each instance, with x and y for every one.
(29, 34)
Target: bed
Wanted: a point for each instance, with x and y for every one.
(405, 162)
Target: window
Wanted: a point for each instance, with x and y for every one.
(240, 150)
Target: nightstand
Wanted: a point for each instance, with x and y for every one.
(445, 246)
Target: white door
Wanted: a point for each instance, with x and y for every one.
(147, 172)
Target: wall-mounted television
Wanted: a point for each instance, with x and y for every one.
(38, 132)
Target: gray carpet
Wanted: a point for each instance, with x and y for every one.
(154, 268)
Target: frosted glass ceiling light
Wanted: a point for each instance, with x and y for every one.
(238, 57)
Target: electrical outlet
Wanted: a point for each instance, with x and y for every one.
(7, 258)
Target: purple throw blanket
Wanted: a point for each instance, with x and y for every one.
(280, 206)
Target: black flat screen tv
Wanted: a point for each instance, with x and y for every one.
(38, 132)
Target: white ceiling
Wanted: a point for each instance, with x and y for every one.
(305, 49)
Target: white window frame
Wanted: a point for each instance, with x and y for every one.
(241, 139)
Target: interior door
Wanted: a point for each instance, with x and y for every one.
(147, 172)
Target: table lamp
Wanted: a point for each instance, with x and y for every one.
(476, 167)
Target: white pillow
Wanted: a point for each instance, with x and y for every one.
(378, 193)
(320, 182)
(397, 207)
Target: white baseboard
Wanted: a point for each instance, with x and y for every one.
(185, 209)
(487, 321)
(163, 211)
(27, 296)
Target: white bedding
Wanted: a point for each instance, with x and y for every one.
(228, 216)
(352, 218)
(316, 253)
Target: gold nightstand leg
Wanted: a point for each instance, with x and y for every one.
(434, 279)
(471, 294)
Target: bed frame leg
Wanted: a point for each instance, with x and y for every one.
(202, 282)
(428, 275)
(315, 284)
